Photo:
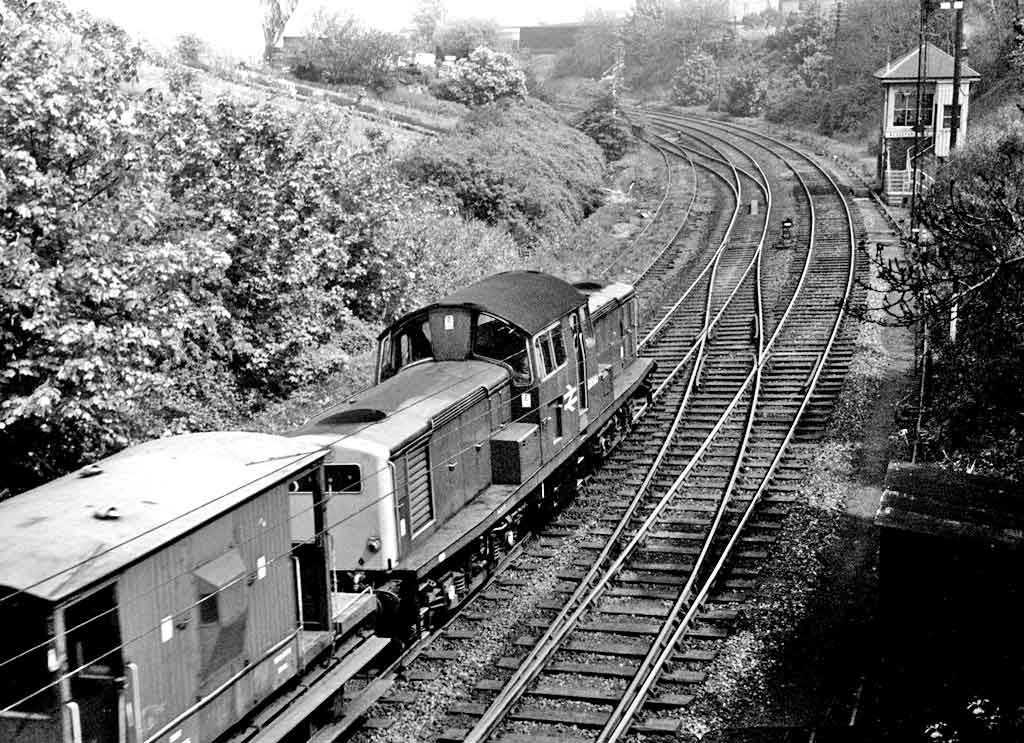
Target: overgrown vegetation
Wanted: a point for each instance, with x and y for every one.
(605, 123)
(173, 265)
(341, 51)
(514, 165)
(485, 76)
(971, 269)
(695, 80)
(461, 36)
(804, 68)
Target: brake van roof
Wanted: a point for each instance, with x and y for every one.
(63, 536)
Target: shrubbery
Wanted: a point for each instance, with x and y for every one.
(342, 52)
(460, 37)
(695, 81)
(483, 77)
(744, 92)
(171, 265)
(606, 124)
(975, 415)
(514, 164)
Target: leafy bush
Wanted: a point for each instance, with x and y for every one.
(104, 281)
(514, 164)
(975, 416)
(695, 80)
(342, 52)
(484, 77)
(744, 94)
(173, 265)
(849, 108)
(190, 49)
(607, 125)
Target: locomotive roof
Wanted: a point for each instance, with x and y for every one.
(603, 296)
(407, 403)
(62, 536)
(527, 299)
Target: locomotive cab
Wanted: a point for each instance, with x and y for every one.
(454, 334)
(486, 401)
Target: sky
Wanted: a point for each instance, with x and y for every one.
(233, 27)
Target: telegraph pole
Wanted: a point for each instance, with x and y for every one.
(954, 119)
(922, 70)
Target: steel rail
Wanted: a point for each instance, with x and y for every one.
(642, 276)
(666, 318)
(578, 604)
(646, 676)
(761, 184)
(685, 149)
(657, 212)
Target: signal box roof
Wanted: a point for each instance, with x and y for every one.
(529, 300)
(938, 66)
(81, 528)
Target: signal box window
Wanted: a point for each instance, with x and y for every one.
(407, 345)
(904, 109)
(342, 478)
(947, 116)
(496, 340)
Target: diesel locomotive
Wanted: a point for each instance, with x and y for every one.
(166, 593)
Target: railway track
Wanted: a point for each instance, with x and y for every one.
(645, 569)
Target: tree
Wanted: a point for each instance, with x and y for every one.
(658, 34)
(427, 18)
(190, 49)
(275, 15)
(605, 123)
(104, 283)
(484, 77)
(341, 51)
(593, 50)
(695, 80)
(460, 37)
(971, 266)
(169, 264)
(745, 92)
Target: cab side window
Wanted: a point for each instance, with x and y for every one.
(550, 350)
(407, 345)
(496, 340)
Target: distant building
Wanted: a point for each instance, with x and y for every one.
(508, 38)
(899, 111)
(552, 37)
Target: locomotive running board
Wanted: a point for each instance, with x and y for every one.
(322, 690)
